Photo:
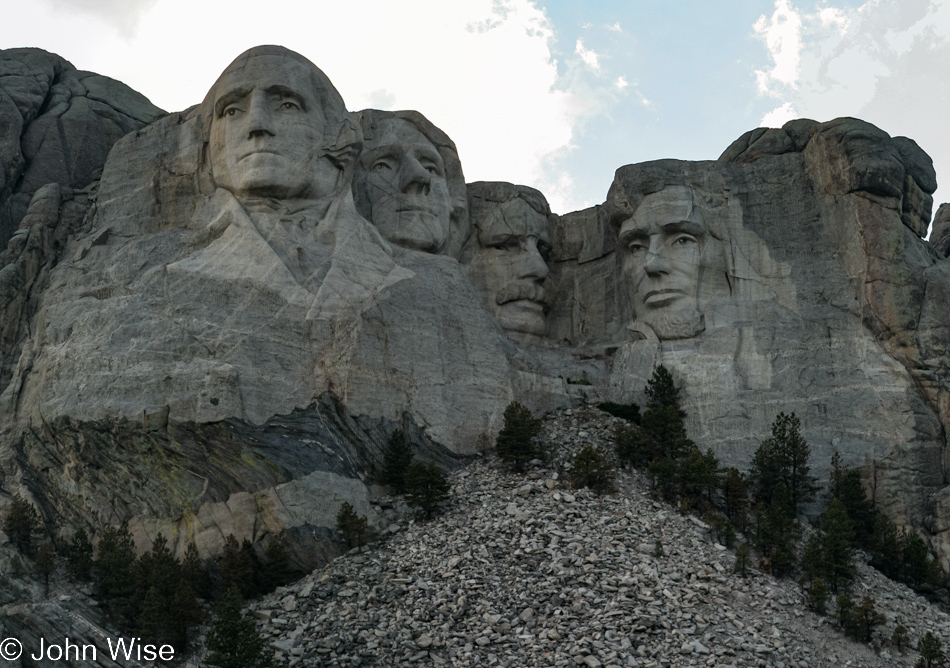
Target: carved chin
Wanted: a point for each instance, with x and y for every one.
(420, 230)
(672, 324)
(523, 316)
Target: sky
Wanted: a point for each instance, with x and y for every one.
(554, 94)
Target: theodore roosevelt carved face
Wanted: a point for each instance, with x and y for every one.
(507, 255)
(662, 246)
(270, 113)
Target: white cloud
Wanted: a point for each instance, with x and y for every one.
(779, 116)
(482, 70)
(621, 83)
(782, 35)
(587, 55)
(615, 27)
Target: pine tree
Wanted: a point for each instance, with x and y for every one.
(735, 495)
(900, 637)
(22, 524)
(886, 547)
(426, 487)
(742, 559)
(836, 479)
(45, 564)
(193, 572)
(914, 556)
(777, 529)
(699, 475)
(813, 558)
(836, 546)
(518, 440)
(818, 596)
(784, 458)
(233, 641)
(114, 572)
(277, 564)
(79, 555)
(931, 652)
(668, 430)
(634, 445)
(860, 509)
(592, 469)
(258, 575)
(662, 391)
(158, 573)
(351, 525)
(237, 568)
(184, 615)
(396, 462)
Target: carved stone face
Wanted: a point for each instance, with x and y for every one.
(267, 129)
(662, 249)
(508, 267)
(404, 183)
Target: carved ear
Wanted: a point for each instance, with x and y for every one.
(344, 145)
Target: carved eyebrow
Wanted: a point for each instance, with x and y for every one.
(687, 226)
(284, 91)
(230, 97)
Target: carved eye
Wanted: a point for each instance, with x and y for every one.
(382, 166)
(290, 104)
(507, 245)
(636, 247)
(684, 240)
(230, 111)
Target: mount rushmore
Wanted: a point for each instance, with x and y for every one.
(215, 329)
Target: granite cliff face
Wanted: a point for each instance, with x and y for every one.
(220, 335)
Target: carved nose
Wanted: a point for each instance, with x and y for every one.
(534, 266)
(656, 262)
(259, 121)
(414, 178)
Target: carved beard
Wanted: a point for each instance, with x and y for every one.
(684, 323)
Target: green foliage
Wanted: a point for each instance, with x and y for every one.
(22, 524)
(634, 445)
(233, 641)
(776, 530)
(426, 487)
(885, 549)
(844, 611)
(662, 391)
(157, 575)
(277, 564)
(663, 471)
(45, 563)
(900, 637)
(742, 559)
(863, 620)
(812, 563)
(735, 496)
(860, 509)
(184, 616)
(351, 525)
(396, 462)
(114, 574)
(836, 546)
(628, 412)
(818, 596)
(79, 555)
(783, 458)
(699, 475)
(518, 440)
(836, 479)
(194, 573)
(592, 469)
(915, 556)
(658, 548)
(665, 424)
(237, 568)
(931, 652)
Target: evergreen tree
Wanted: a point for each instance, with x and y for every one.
(900, 637)
(664, 471)
(114, 573)
(777, 529)
(818, 596)
(193, 572)
(735, 496)
(396, 462)
(836, 546)
(931, 652)
(233, 641)
(237, 568)
(426, 487)
(699, 475)
(79, 555)
(836, 479)
(22, 524)
(184, 615)
(915, 556)
(668, 430)
(259, 576)
(157, 575)
(351, 525)
(845, 613)
(277, 564)
(628, 412)
(634, 445)
(662, 391)
(864, 619)
(784, 458)
(860, 509)
(742, 559)
(592, 469)
(813, 558)
(518, 440)
(45, 564)
(153, 617)
(886, 547)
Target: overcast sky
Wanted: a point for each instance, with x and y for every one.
(552, 94)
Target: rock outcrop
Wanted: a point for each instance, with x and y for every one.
(220, 334)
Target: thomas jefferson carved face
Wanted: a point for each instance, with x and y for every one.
(405, 185)
(662, 249)
(508, 265)
(267, 130)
